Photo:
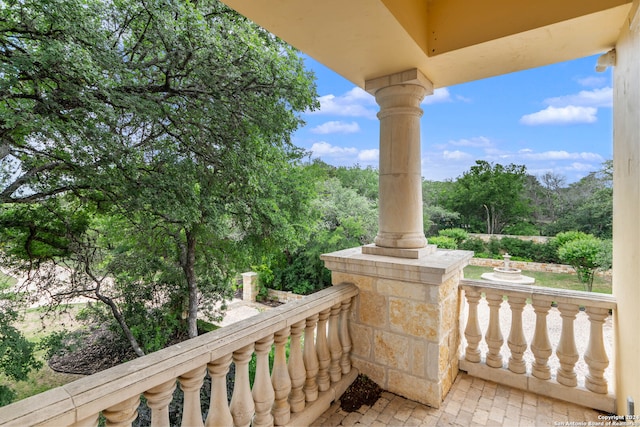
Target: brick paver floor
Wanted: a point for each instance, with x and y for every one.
(471, 402)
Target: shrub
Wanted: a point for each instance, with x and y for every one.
(474, 244)
(457, 234)
(522, 229)
(443, 242)
(494, 246)
(516, 247)
(567, 236)
(583, 255)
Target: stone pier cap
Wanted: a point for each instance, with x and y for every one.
(436, 267)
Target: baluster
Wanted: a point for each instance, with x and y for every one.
(297, 372)
(280, 380)
(191, 383)
(345, 338)
(310, 359)
(494, 335)
(158, 399)
(324, 357)
(541, 346)
(335, 372)
(472, 330)
(263, 394)
(567, 352)
(219, 414)
(596, 355)
(517, 342)
(241, 406)
(122, 414)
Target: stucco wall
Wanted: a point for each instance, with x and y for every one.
(626, 209)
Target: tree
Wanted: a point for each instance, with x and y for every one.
(492, 195)
(170, 119)
(587, 205)
(585, 256)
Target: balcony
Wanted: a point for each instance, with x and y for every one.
(504, 383)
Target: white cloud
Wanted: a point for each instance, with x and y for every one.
(476, 141)
(455, 155)
(561, 155)
(323, 148)
(439, 95)
(345, 155)
(561, 115)
(336, 127)
(371, 155)
(585, 98)
(592, 81)
(355, 103)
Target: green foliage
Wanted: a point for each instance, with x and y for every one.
(457, 234)
(59, 342)
(490, 197)
(474, 244)
(342, 217)
(6, 395)
(522, 228)
(494, 246)
(145, 147)
(567, 236)
(17, 354)
(583, 254)
(443, 242)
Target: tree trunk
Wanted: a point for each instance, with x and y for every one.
(189, 268)
(116, 313)
(122, 322)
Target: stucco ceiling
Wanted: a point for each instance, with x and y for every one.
(450, 41)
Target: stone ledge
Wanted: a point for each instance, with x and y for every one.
(435, 268)
(417, 253)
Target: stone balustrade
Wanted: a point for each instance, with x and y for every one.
(510, 363)
(295, 392)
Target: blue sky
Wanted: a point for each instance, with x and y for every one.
(556, 118)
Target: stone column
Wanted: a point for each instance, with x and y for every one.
(400, 223)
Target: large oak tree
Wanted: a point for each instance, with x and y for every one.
(146, 144)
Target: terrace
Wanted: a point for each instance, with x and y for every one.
(401, 311)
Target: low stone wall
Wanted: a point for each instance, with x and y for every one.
(488, 237)
(533, 266)
(283, 296)
(526, 266)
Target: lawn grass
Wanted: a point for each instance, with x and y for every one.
(548, 280)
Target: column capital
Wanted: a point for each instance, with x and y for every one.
(407, 77)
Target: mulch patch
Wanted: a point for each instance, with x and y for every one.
(363, 391)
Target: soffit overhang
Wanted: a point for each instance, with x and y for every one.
(449, 41)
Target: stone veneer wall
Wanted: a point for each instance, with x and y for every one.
(405, 325)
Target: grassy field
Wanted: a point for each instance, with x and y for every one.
(548, 280)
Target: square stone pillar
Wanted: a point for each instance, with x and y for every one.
(249, 286)
(405, 322)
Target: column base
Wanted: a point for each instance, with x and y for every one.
(400, 240)
(416, 253)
